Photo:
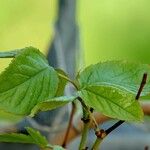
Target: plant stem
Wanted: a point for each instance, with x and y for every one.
(84, 136)
(69, 125)
(143, 82)
(69, 80)
(8, 54)
(116, 125)
(97, 144)
(86, 120)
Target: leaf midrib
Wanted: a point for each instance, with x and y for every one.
(118, 86)
(110, 101)
(31, 77)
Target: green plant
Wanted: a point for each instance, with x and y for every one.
(29, 85)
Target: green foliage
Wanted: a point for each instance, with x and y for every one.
(29, 85)
(16, 138)
(110, 88)
(37, 138)
(120, 74)
(28, 80)
(6, 117)
(112, 102)
(52, 104)
(34, 137)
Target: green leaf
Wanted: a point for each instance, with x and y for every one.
(9, 117)
(62, 82)
(145, 98)
(16, 138)
(37, 137)
(34, 137)
(52, 104)
(123, 75)
(27, 81)
(112, 102)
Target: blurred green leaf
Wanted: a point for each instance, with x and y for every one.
(16, 138)
(34, 137)
(37, 137)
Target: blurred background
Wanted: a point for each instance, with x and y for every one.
(111, 29)
(107, 30)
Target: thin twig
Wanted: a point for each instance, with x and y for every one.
(69, 125)
(113, 127)
(143, 82)
(99, 119)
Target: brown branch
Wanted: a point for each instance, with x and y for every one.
(69, 125)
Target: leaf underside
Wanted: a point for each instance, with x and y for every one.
(52, 104)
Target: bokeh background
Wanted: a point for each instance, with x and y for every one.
(109, 29)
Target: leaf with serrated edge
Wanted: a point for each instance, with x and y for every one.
(52, 104)
(121, 74)
(112, 102)
(27, 81)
